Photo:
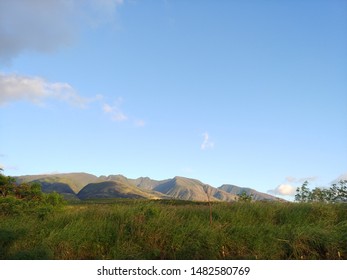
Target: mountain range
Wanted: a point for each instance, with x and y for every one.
(81, 186)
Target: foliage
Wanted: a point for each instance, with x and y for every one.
(302, 193)
(335, 194)
(144, 229)
(244, 197)
(27, 198)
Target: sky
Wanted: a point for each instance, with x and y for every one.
(251, 93)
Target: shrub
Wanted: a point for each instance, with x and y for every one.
(26, 198)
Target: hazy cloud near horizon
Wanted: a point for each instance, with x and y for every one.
(44, 26)
(284, 189)
(289, 187)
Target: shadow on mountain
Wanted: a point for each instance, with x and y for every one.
(112, 189)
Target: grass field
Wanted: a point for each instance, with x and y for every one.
(139, 229)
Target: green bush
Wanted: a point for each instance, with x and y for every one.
(26, 199)
(9, 205)
(54, 199)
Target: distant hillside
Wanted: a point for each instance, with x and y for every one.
(85, 186)
(182, 188)
(114, 189)
(191, 189)
(147, 183)
(232, 189)
(76, 181)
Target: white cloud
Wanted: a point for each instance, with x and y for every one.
(207, 143)
(38, 91)
(45, 26)
(115, 112)
(288, 188)
(284, 189)
(15, 87)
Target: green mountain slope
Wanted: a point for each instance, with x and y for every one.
(191, 189)
(114, 189)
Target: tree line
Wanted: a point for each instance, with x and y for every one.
(335, 194)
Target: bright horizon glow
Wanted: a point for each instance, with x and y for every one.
(250, 93)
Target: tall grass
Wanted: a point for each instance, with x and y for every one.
(133, 229)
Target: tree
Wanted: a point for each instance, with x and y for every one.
(303, 193)
(54, 199)
(317, 195)
(340, 191)
(337, 193)
(7, 185)
(29, 191)
(244, 197)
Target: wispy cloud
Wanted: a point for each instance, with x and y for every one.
(207, 143)
(44, 26)
(37, 90)
(114, 111)
(292, 179)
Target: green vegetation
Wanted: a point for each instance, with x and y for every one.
(337, 193)
(25, 198)
(144, 229)
(244, 197)
(165, 229)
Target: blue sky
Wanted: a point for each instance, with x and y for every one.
(252, 93)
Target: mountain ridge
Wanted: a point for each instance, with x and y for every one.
(88, 186)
